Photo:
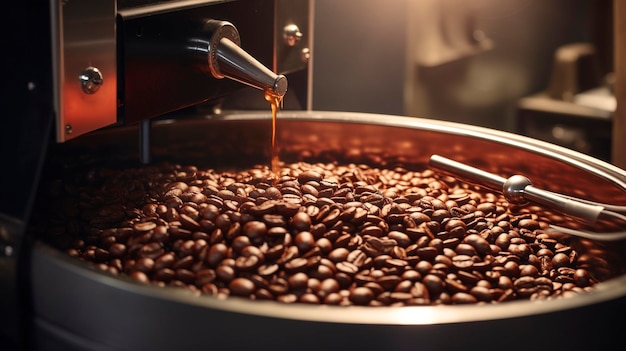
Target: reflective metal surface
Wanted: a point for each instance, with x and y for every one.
(83, 39)
(95, 308)
(292, 35)
(518, 189)
(225, 58)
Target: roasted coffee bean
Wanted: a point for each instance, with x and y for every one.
(327, 233)
(427, 253)
(481, 245)
(361, 295)
(298, 281)
(347, 267)
(248, 263)
(145, 265)
(463, 298)
(305, 241)
(528, 270)
(117, 250)
(434, 284)
(482, 293)
(184, 262)
(217, 253)
(582, 277)
(225, 273)
(372, 230)
(339, 254)
(241, 286)
(357, 257)
(462, 262)
(151, 250)
(165, 275)
(295, 265)
(166, 260)
(140, 276)
(301, 221)
(326, 287)
(560, 260)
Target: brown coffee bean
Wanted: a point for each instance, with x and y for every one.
(327, 233)
(361, 295)
(582, 277)
(117, 250)
(140, 276)
(305, 241)
(339, 254)
(295, 265)
(217, 253)
(462, 262)
(298, 281)
(151, 250)
(560, 260)
(434, 284)
(165, 275)
(144, 226)
(482, 293)
(185, 275)
(241, 286)
(427, 253)
(481, 245)
(463, 298)
(240, 243)
(144, 264)
(166, 260)
(225, 273)
(301, 221)
(347, 267)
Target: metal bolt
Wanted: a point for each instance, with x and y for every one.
(6, 249)
(91, 80)
(68, 129)
(306, 55)
(292, 34)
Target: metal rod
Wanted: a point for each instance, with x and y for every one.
(468, 173)
(144, 142)
(518, 189)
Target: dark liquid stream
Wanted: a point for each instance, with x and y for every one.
(275, 102)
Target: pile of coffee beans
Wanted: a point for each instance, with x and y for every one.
(318, 233)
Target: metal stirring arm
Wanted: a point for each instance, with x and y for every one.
(518, 190)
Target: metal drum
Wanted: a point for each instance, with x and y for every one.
(77, 306)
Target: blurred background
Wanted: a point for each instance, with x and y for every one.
(541, 68)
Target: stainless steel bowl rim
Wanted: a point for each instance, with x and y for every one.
(411, 315)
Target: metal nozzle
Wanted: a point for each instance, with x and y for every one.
(227, 59)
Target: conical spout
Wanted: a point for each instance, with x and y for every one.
(227, 59)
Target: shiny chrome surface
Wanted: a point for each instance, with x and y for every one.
(90, 80)
(102, 307)
(83, 39)
(518, 189)
(225, 58)
(292, 35)
(165, 56)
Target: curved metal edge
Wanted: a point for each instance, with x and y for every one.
(417, 315)
(51, 258)
(589, 164)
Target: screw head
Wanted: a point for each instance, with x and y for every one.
(90, 80)
(291, 34)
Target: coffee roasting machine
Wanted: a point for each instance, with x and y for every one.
(143, 80)
(124, 63)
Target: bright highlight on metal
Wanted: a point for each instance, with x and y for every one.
(518, 189)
